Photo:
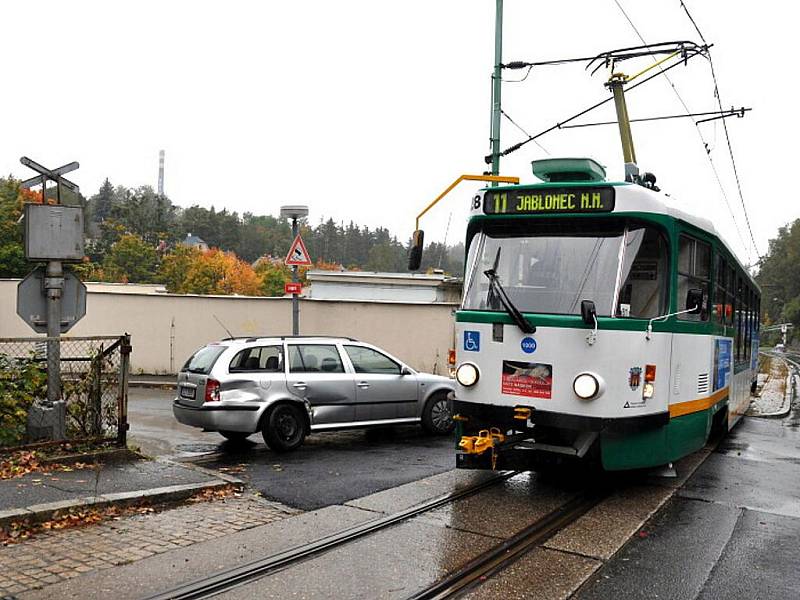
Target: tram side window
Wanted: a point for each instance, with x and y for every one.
(644, 291)
(739, 307)
(720, 290)
(694, 271)
(731, 289)
(748, 322)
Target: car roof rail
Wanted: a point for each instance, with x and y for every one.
(332, 337)
(253, 338)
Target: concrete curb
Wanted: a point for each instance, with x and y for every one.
(188, 465)
(143, 383)
(787, 401)
(172, 493)
(113, 454)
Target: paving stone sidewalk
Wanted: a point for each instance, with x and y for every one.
(54, 556)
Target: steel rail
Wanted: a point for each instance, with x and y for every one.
(229, 578)
(496, 559)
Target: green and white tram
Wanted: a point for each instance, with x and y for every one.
(598, 322)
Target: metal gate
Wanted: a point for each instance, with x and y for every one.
(94, 374)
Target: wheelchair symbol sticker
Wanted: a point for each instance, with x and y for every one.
(472, 341)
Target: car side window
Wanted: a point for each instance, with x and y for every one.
(258, 358)
(314, 358)
(367, 360)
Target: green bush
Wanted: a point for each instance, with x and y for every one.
(22, 380)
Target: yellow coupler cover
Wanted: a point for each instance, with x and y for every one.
(478, 444)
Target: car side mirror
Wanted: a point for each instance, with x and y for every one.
(694, 301)
(406, 371)
(415, 252)
(588, 312)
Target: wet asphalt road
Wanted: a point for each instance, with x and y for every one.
(330, 468)
(733, 531)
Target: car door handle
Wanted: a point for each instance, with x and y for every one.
(300, 385)
(363, 385)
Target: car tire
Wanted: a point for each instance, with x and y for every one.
(234, 436)
(284, 428)
(437, 416)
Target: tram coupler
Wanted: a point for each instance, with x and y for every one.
(473, 448)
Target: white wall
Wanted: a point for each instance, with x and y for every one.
(418, 333)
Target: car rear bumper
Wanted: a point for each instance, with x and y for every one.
(220, 416)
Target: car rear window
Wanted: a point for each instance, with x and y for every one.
(202, 360)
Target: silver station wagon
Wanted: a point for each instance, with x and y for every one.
(288, 387)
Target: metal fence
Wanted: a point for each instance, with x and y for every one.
(94, 388)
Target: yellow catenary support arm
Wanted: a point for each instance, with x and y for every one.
(491, 178)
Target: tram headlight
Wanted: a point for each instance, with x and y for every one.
(586, 386)
(467, 374)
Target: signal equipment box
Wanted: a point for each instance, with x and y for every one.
(53, 232)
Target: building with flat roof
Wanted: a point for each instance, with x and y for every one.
(383, 287)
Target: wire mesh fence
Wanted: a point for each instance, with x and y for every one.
(94, 382)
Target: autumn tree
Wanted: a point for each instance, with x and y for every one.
(131, 260)
(274, 274)
(190, 271)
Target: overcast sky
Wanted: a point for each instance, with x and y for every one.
(366, 110)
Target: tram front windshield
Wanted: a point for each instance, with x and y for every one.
(550, 266)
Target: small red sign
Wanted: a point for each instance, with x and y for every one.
(292, 288)
(534, 380)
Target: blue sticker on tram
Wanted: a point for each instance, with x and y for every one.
(472, 341)
(528, 345)
(723, 351)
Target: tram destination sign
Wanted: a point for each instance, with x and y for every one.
(549, 201)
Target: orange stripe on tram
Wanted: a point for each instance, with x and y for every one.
(692, 406)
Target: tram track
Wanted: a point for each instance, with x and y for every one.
(227, 579)
(494, 560)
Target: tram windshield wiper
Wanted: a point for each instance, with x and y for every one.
(496, 291)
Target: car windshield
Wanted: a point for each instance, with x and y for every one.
(202, 360)
(552, 266)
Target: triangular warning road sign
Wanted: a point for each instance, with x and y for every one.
(298, 255)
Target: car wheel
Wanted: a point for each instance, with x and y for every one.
(284, 429)
(437, 417)
(234, 436)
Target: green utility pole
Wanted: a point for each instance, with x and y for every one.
(496, 81)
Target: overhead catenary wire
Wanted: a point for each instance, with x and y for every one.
(699, 133)
(560, 124)
(515, 124)
(725, 129)
(733, 112)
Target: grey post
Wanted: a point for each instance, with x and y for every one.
(53, 285)
(294, 212)
(295, 300)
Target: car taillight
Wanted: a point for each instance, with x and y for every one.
(212, 390)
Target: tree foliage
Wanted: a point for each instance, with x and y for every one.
(191, 271)
(779, 276)
(131, 260)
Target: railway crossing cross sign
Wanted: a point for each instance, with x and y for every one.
(298, 255)
(46, 174)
